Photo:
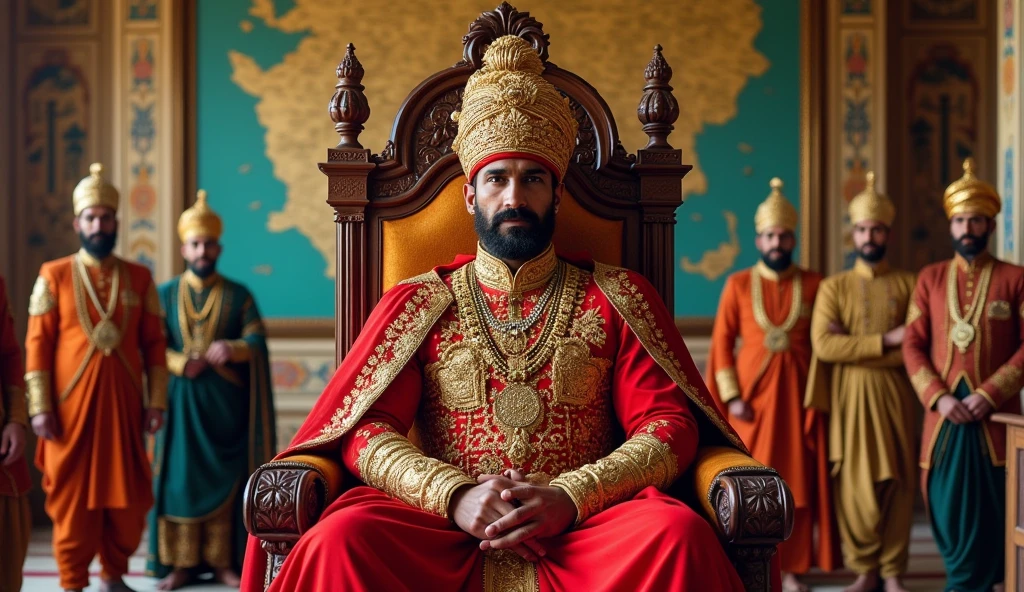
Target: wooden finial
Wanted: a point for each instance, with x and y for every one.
(349, 109)
(658, 109)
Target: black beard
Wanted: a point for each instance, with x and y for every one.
(518, 243)
(205, 271)
(975, 245)
(99, 245)
(872, 256)
(781, 263)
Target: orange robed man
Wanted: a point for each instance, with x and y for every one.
(964, 352)
(15, 514)
(554, 399)
(762, 386)
(95, 343)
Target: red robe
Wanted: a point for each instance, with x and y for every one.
(632, 381)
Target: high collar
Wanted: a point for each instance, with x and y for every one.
(495, 274)
(863, 269)
(983, 259)
(93, 262)
(770, 274)
(197, 283)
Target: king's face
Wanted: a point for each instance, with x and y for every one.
(512, 184)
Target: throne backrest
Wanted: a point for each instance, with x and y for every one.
(401, 212)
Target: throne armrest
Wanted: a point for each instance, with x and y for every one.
(285, 498)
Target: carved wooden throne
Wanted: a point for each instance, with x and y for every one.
(400, 213)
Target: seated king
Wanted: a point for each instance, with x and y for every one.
(515, 417)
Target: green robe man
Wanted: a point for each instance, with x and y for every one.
(220, 413)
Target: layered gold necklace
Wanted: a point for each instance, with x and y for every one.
(776, 338)
(198, 328)
(965, 326)
(105, 335)
(517, 407)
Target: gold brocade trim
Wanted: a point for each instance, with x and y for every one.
(461, 376)
(184, 545)
(776, 338)
(391, 463)
(42, 300)
(728, 384)
(913, 312)
(506, 571)
(966, 325)
(176, 362)
(1007, 379)
(37, 391)
(535, 273)
(157, 379)
(630, 303)
(402, 337)
(641, 461)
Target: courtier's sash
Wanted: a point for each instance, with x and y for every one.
(405, 315)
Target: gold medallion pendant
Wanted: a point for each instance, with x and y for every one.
(776, 340)
(962, 335)
(106, 336)
(513, 342)
(517, 406)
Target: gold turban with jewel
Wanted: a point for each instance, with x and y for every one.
(94, 191)
(510, 111)
(871, 205)
(775, 210)
(199, 220)
(971, 194)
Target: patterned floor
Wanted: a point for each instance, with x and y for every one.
(926, 573)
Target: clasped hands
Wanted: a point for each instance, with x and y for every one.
(507, 512)
(218, 354)
(973, 408)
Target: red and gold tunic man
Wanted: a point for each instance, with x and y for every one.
(95, 343)
(553, 398)
(964, 352)
(15, 514)
(762, 385)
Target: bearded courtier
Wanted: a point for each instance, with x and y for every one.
(762, 385)
(220, 414)
(553, 398)
(964, 353)
(857, 374)
(96, 378)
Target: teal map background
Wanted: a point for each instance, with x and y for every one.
(286, 271)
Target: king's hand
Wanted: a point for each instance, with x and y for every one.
(475, 508)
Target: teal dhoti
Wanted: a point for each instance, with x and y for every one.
(966, 499)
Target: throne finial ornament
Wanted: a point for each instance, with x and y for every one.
(658, 108)
(503, 20)
(349, 109)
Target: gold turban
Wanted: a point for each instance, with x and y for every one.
(93, 191)
(775, 210)
(971, 194)
(871, 205)
(509, 111)
(199, 220)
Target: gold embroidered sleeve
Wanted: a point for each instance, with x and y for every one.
(42, 300)
(176, 362)
(240, 351)
(641, 461)
(391, 463)
(728, 384)
(929, 386)
(38, 392)
(157, 378)
(16, 405)
(1005, 383)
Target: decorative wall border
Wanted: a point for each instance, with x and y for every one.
(1010, 129)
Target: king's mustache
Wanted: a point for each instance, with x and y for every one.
(516, 214)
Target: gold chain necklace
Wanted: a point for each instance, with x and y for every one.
(776, 338)
(105, 334)
(965, 327)
(197, 329)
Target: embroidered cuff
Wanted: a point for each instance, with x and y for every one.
(727, 383)
(157, 377)
(16, 409)
(37, 391)
(987, 397)
(240, 351)
(935, 399)
(176, 362)
(391, 463)
(642, 461)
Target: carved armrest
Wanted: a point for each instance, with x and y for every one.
(285, 498)
(747, 501)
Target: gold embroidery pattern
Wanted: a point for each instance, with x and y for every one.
(391, 463)
(641, 461)
(922, 379)
(965, 323)
(913, 312)
(37, 389)
(42, 300)
(505, 571)
(185, 545)
(401, 339)
(461, 377)
(629, 301)
(1008, 380)
(999, 310)
(158, 378)
(588, 326)
(728, 384)
(533, 274)
(577, 377)
(776, 338)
